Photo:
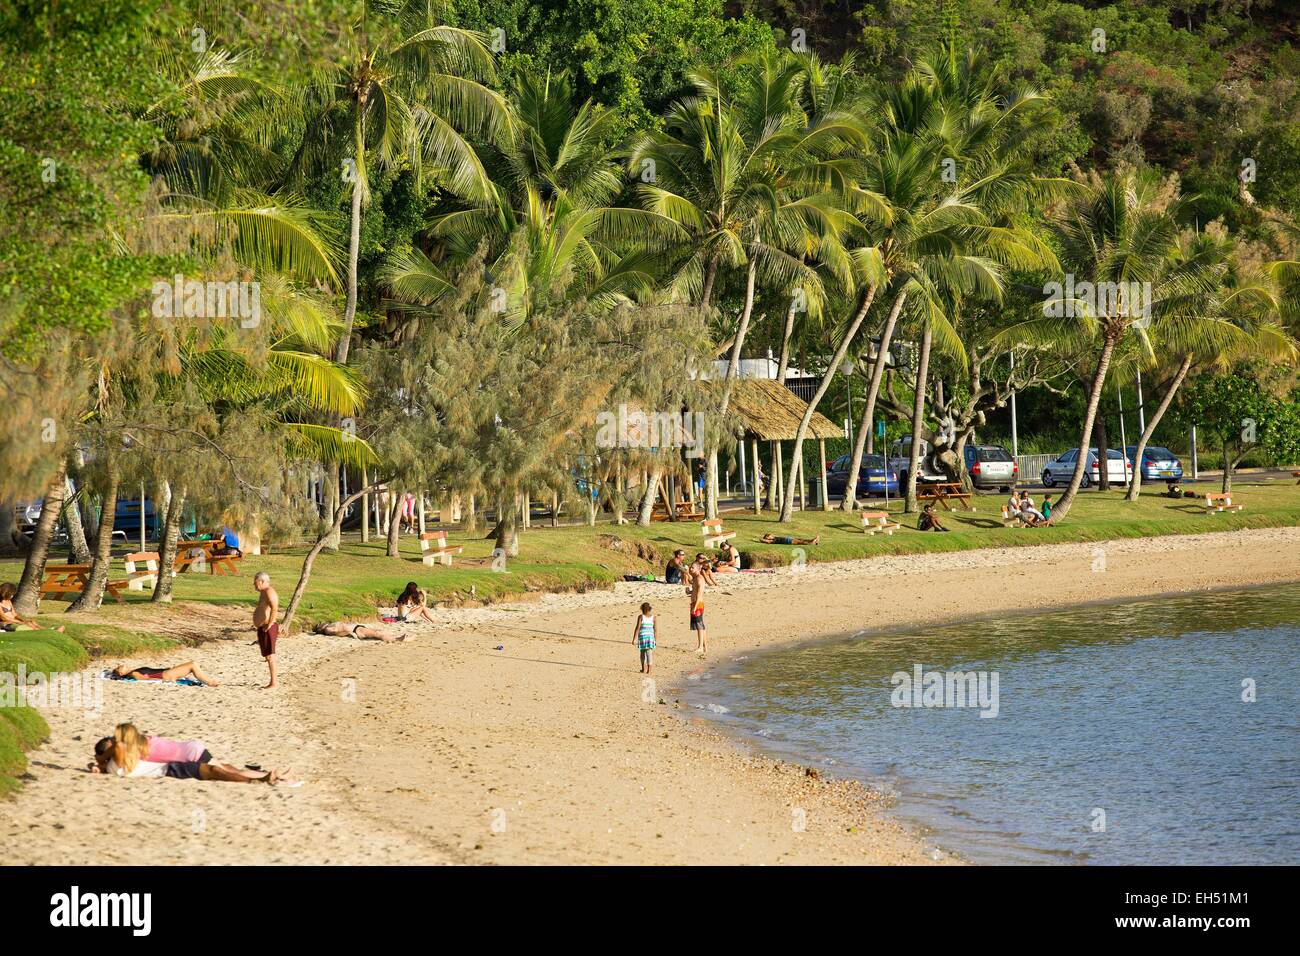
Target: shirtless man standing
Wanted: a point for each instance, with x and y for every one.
(699, 573)
(264, 615)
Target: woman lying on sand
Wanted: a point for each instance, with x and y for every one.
(413, 604)
(129, 753)
(188, 669)
(363, 631)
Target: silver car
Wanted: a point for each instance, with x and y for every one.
(1061, 469)
(991, 466)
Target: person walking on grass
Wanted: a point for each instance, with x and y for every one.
(643, 636)
(700, 573)
(264, 619)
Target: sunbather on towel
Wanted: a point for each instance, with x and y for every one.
(188, 669)
(363, 631)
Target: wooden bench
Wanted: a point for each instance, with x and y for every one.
(1296, 476)
(1216, 502)
(1010, 520)
(64, 580)
(140, 579)
(713, 533)
(223, 563)
(433, 545)
(877, 522)
(943, 492)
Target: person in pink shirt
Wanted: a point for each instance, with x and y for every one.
(129, 753)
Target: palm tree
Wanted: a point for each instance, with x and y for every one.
(1119, 236)
(950, 170)
(409, 90)
(1235, 319)
(750, 178)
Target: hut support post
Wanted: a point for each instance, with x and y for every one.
(758, 499)
(821, 452)
(803, 489)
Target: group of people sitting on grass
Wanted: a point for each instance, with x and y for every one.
(1022, 507)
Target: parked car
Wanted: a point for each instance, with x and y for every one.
(1060, 470)
(1158, 464)
(991, 466)
(873, 479)
(927, 470)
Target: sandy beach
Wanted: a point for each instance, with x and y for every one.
(524, 734)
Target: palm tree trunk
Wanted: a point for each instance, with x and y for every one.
(918, 418)
(507, 530)
(1103, 453)
(864, 439)
(1062, 507)
(93, 595)
(354, 236)
(29, 586)
(72, 521)
(1135, 486)
(648, 499)
(305, 575)
(711, 481)
(1228, 463)
(162, 589)
(395, 525)
(330, 501)
(782, 366)
(787, 506)
(710, 276)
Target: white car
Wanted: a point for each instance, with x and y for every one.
(1061, 469)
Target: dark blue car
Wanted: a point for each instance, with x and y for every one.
(873, 479)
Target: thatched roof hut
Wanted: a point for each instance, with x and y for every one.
(771, 412)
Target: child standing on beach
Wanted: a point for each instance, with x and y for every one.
(643, 636)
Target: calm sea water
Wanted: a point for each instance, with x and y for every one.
(1126, 715)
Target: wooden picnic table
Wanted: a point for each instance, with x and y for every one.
(217, 563)
(944, 492)
(62, 580)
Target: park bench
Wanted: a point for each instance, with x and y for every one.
(1216, 502)
(142, 578)
(944, 492)
(433, 545)
(1296, 476)
(65, 580)
(713, 533)
(877, 522)
(1010, 520)
(223, 563)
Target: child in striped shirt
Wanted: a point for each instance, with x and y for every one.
(643, 636)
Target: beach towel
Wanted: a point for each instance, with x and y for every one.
(184, 681)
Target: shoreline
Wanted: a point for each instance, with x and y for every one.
(451, 751)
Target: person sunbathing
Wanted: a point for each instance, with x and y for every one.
(362, 631)
(188, 669)
(129, 753)
(413, 604)
(770, 538)
(10, 619)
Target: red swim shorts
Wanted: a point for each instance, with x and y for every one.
(266, 638)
